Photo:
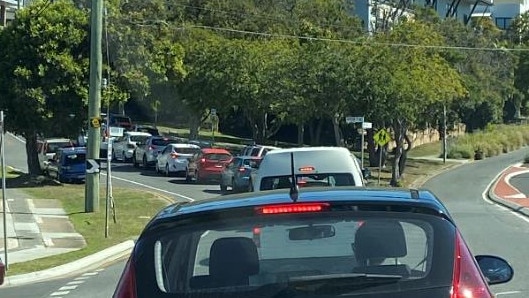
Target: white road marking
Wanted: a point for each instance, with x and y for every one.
(82, 277)
(152, 187)
(90, 273)
(508, 293)
(68, 288)
(76, 282)
(54, 294)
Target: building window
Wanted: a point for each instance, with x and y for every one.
(503, 23)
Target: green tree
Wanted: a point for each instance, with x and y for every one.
(43, 73)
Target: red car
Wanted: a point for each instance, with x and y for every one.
(2, 272)
(210, 163)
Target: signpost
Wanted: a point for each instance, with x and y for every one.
(365, 125)
(109, 201)
(381, 138)
(214, 122)
(4, 198)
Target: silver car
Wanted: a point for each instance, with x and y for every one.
(146, 152)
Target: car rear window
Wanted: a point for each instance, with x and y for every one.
(53, 147)
(73, 159)
(191, 151)
(217, 156)
(257, 256)
(308, 180)
(253, 162)
(138, 138)
(162, 142)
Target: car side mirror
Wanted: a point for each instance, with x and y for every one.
(495, 269)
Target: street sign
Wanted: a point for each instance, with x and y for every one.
(92, 166)
(213, 112)
(95, 122)
(109, 150)
(349, 120)
(382, 137)
(116, 131)
(367, 125)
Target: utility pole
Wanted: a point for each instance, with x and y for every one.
(4, 197)
(444, 134)
(94, 104)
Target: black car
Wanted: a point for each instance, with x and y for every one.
(321, 242)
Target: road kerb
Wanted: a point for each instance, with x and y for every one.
(511, 205)
(93, 261)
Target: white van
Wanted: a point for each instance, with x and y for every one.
(313, 166)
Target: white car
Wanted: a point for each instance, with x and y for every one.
(146, 152)
(313, 166)
(174, 159)
(123, 147)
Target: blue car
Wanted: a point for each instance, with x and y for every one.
(315, 242)
(68, 164)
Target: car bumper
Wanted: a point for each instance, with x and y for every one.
(178, 165)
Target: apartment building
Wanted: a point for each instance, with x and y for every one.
(503, 12)
(376, 13)
(7, 11)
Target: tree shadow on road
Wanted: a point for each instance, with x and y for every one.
(23, 180)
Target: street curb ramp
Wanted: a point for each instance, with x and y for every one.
(93, 261)
(511, 205)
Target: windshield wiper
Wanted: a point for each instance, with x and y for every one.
(333, 283)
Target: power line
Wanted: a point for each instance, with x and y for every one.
(371, 43)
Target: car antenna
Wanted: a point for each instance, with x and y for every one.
(294, 190)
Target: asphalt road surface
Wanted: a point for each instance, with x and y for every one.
(488, 228)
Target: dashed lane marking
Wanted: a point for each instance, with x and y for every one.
(72, 285)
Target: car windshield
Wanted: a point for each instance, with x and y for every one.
(308, 180)
(138, 138)
(217, 156)
(74, 159)
(299, 254)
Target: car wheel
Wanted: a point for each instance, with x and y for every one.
(144, 162)
(123, 156)
(188, 177)
(223, 188)
(198, 179)
(134, 161)
(250, 186)
(234, 186)
(167, 173)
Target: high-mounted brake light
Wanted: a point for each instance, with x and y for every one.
(292, 208)
(174, 155)
(242, 169)
(306, 169)
(467, 280)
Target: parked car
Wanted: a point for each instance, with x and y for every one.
(257, 150)
(48, 147)
(208, 164)
(118, 120)
(313, 166)
(69, 164)
(237, 173)
(147, 151)
(2, 272)
(175, 158)
(123, 147)
(318, 242)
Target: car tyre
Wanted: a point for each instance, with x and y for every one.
(144, 162)
(134, 161)
(189, 178)
(167, 173)
(223, 189)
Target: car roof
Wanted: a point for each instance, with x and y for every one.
(215, 150)
(73, 149)
(307, 149)
(399, 196)
(56, 140)
(184, 145)
(138, 133)
(249, 157)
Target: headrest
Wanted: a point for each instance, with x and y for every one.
(233, 255)
(380, 238)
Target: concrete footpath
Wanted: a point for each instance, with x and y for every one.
(38, 228)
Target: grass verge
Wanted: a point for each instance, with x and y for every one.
(134, 208)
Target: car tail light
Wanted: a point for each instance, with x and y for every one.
(174, 155)
(152, 148)
(126, 287)
(257, 236)
(292, 208)
(242, 169)
(467, 281)
(202, 160)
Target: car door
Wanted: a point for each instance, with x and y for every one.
(228, 172)
(162, 158)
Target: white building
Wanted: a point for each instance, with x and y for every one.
(503, 11)
(371, 11)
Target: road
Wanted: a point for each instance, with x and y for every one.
(488, 228)
(521, 182)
